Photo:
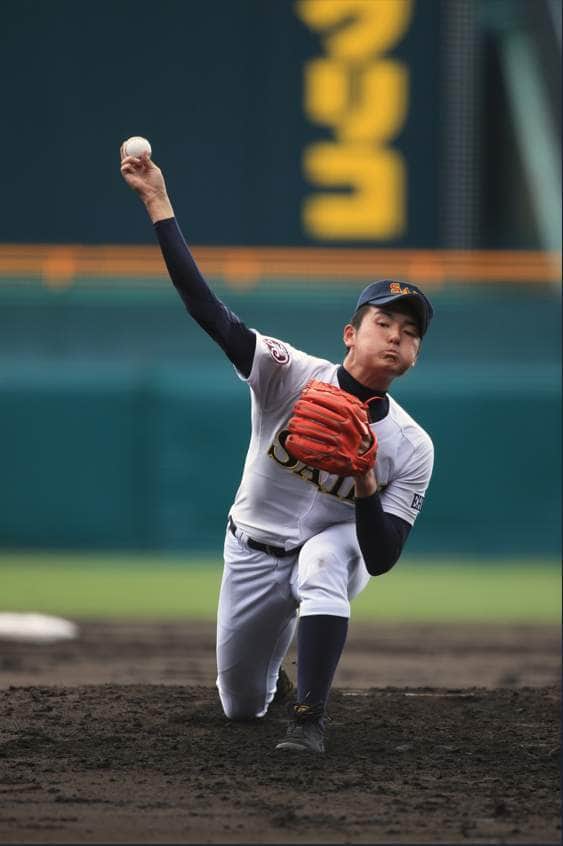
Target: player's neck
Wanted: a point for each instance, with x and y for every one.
(351, 382)
(375, 382)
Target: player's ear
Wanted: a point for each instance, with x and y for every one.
(348, 335)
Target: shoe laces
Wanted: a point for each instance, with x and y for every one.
(303, 712)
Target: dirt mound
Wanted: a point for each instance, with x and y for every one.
(160, 763)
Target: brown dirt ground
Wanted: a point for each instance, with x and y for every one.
(438, 734)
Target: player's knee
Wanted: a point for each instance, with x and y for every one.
(317, 552)
(316, 603)
(318, 565)
(320, 570)
(238, 711)
(242, 707)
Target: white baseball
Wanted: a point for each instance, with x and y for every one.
(136, 146)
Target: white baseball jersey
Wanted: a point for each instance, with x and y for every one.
(282, 501)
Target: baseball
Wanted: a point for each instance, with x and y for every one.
(136, 146)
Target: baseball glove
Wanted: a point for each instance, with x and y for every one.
(329, 429)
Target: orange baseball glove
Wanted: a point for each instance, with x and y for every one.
(329, 429)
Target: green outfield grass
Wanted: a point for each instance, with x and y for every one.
(81, 585)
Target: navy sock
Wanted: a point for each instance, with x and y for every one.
(320, 641)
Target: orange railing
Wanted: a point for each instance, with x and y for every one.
(60, 266)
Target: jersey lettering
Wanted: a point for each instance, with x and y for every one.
(337, 488)
(310, 474)
(278, 452)
(342, 488)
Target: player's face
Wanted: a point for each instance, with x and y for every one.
(384, 346)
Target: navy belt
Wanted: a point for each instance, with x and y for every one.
(277, 551)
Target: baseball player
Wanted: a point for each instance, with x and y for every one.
(334, 478)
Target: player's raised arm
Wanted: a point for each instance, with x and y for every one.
(234, 338)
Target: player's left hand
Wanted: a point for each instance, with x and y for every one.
(329, 430)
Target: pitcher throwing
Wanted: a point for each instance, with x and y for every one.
(334, 478)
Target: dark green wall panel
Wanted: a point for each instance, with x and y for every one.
(155, 463)
(72, 463)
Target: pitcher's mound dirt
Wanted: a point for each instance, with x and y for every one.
(159, 763)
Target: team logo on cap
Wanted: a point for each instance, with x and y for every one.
(395, 288)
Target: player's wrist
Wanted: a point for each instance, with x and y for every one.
(366, 484)
(158, 206)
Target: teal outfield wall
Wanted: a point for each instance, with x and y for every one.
(123, 427)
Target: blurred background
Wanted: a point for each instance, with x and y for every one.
(309, 147)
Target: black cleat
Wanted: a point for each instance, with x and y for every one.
(284, 689)
(306, 729)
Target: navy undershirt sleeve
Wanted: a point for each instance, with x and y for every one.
(220, 323)
(381, 536)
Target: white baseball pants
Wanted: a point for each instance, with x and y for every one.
(260, 598)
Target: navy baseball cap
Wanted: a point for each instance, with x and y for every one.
(388, 291)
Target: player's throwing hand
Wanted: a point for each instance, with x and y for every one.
(141, 174)
(146, 179)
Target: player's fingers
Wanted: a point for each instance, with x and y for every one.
(146, 163)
